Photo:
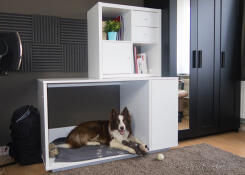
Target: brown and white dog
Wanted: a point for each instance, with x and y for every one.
(111, 133)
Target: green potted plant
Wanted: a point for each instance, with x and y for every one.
(111, 28)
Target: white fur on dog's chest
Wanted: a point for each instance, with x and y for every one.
(116, 135)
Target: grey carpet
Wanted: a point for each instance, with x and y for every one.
(200, 159)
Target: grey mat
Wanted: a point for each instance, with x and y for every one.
(85, 152)
(200, 159)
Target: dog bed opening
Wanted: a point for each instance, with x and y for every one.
(85, 152)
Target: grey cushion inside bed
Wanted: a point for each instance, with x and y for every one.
(85, 152)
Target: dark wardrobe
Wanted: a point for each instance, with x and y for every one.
(215, 48)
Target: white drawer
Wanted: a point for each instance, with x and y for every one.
(144, 34)
(145, 19)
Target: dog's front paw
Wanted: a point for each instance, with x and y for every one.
(143, 148)
(132, 151)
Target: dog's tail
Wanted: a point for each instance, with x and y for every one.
(64, 145)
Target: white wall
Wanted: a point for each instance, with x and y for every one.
(183, 37)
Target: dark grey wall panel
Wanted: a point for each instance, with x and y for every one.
(17, 22)
(46, 36)
(73, 31)
(46, 30)
(47, 58)
(85, 104)
(75, 57)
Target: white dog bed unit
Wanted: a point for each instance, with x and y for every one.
(152, 103)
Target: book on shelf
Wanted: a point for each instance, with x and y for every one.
(120, 32)
(135, 59)
(142, 63)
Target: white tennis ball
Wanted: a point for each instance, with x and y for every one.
(160, 156)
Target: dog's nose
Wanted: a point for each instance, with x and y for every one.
(121, 128)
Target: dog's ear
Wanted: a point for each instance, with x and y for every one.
(127, 116)
(125, 112)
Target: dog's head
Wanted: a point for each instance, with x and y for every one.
(120, 122)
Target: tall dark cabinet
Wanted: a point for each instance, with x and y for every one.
(214, 64)
(202, 80)
(230, 64)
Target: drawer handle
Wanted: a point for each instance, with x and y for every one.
(145, 19)
(145, 34)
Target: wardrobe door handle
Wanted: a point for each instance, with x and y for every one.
(223, 59)
(194, 59)
(199, 59)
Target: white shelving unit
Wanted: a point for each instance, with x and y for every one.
(152, 102)
(110, 59)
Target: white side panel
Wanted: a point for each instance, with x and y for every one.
(164, 105)
(55, 133)
(135, 96)
(243, 99)
(94, 39)
(117, 57)
(42, 106)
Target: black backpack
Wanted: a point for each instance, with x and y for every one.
(26, 136)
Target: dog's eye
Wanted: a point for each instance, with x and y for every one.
(125, 121)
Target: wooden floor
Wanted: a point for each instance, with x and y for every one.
(232, 142)
(184, 124)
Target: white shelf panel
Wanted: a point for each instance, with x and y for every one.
(107, 80)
